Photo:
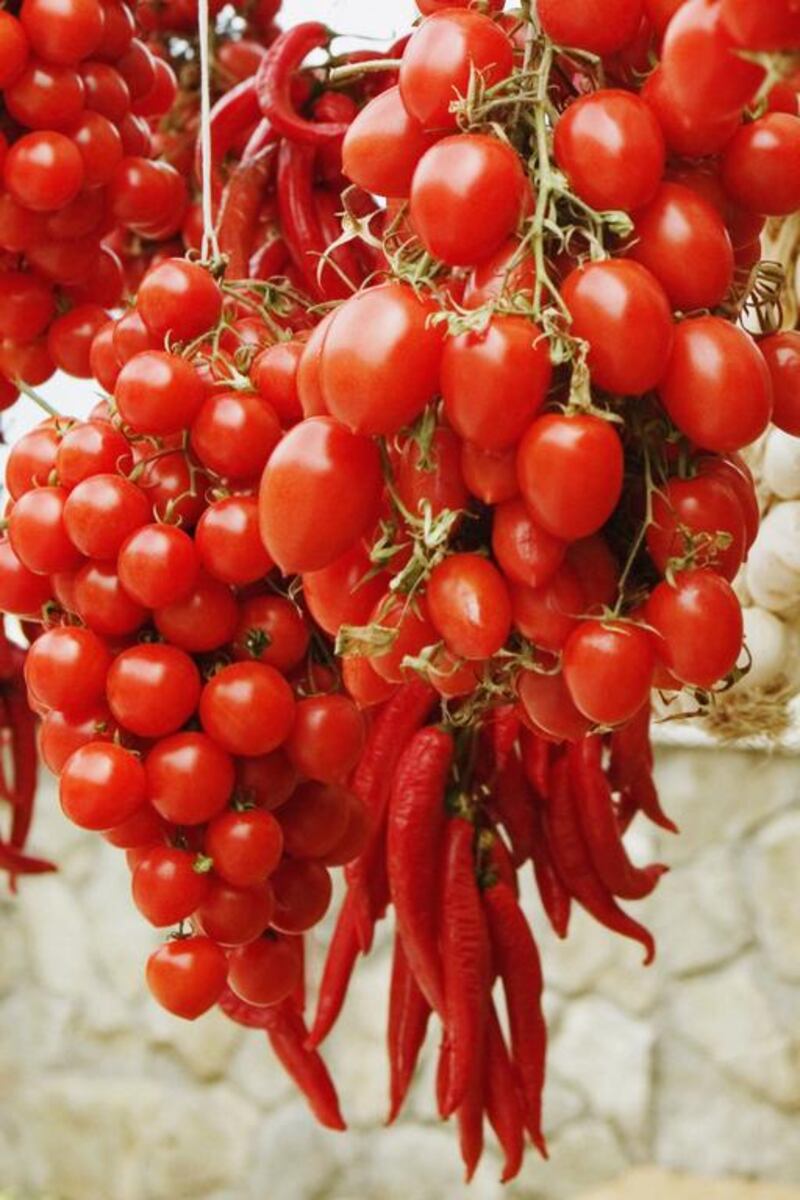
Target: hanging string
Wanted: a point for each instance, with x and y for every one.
(209, 247)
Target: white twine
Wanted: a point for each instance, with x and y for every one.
(209, 247)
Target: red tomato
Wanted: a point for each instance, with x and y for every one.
(717, 387)
(315, 819)
(66, 668)
(363, 683)
(469, 605)
(144, 829)
(302, 895)
(758, 26)
(265, 971)
(611, 148)
(494, 382)
(153, 689)
(179, 298)
(383, 146)
(600, 28)
(548, 705)
(678, 227)
(761, 165)
(525, 551)
(91, 448)
(101, 512)
(490, 475)
(43, 171)
(158, 565)
(274, 376)
(688, 515)
(660, 12)
(189, 778)
(39, 532)
(201, 621)
(597, 570)
(431, 475)
(570, 473)
(689, 133)
(699, 623)
(440, 58)
(309, 383)
(608, 668)
(14, 48)
(22, 593)
(782, 355)
(467, 197)
(63, 32)
(701, 68)
(187, 976)
(228, 541)
(342, 593)
(326, 739)
(45, 95)
(101, 786)
(246, 846)
(267, 781)
(248, 708)
(606, 300)
(509, 273)
(319, 493)
(734, 472)
(234, 916)
(60, 736)
(413, 629)
(158, 393)
(272, 630)
(380, 360)
(167, 885)
(547, 615)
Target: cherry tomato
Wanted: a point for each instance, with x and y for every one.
(411, 630)
(363, 683)
(508, 273)
(43, 170)
(606, 300)
(761, 165)
(153, 689)
(611, 148)
(271, 629)
(202, 620)
(687, 132)
(234, 434)
(66, 668)
(315, 819)
(175, 486)
(570, 473)
(319, 492)
(734, 472)
(63, 31)
(248, 708)
(547, 704)
(187, 976)
(782, 355)
(46, 96)
(101, 512)
(106, 91)
(14, 48)
(179, 299)
(158, 565)
(228, 541)
(717, 386)
(27, 305)
(440, 58)
(490, 475)
(302, 895)
(235, 916)
(168, 885)
(526, 552)
(688, 515)
(246, 846)
(326, 739)
(189, 778)
(91, 448)
(265, 971)
(158, 393)
(345, 592)
(267, 781)
(601, 29)
(699, 623)
(494, 382)
(383, 146)
(596, 568)
(274, 376)
(22, 593)
(379, 393)
(546, 615)
(608, 669)
(39, 532)
(467, 197)
(101, 786)
(678, 227)
(60, 735)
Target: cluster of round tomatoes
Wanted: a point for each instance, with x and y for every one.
(79, 94)
(181, 704)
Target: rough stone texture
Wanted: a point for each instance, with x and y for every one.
(693, 1065)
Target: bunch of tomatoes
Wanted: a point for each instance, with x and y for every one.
(399, 510)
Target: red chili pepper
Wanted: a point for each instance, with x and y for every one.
(417, 821)
(231, 117)
(536, 753)
(299, 221)
(339, 963)
(24, 753)
(288, 1035)
(598, 821)
(409, 1013)
(391, 729)
(498, 859)
(573, 864)
(17, 863)
(632, 768)
(469, 1116)
(238, 215)
(443, 1075)
(262, 137)
(516, 958)
(503, 1102)
(513, 805)
(273, 82)
(269, 259)
(556, 900)
(643, 795)
(298, 996)
(504, 727)
(344, 257)
(466, 962)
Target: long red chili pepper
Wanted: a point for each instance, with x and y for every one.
(299, 221)
(262, 137)
(469, 1116)
(503, 1102)
(536, 753)
(417, 821)
(632, 768)
(344, 257)
(443, 1075)
(287, 1034)
(409, 1013)
(504, 726)
(498, 859)
(231, 117)
(516, 958)
(555, 897)
(269, 259)
(239, 211)
(575, 867)
(598, 821)
(25, 760)
(339, 963)
(466, 962)
(17, 863)
(273, 81)
(512, 804)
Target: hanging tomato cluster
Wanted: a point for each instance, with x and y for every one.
(403, 505)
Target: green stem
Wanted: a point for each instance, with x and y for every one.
(33, 395)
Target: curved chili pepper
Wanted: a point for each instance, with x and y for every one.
(239, 211)
(409, 1013)
(443, 1075)
(396, 722)
(417, 820)
(556, 900)
(516, 958)
(339, 963)
(643, 795)
(262, 137)
(273, 81)
(466, 962)
(598, 821)
(573, 864)
(231, 117)
(503, 1103)
(504, 727)
(536, 760)
(632, 768)
(498, 860)
(287, 1034)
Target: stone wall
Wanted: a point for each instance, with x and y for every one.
(693, 1064)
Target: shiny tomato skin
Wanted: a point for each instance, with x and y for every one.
(548, 705)
(229, 544)
(246, 846)
(699, 627)
(101, 512)
(758, 26)
(153, 689)
(611, 148)
(570, 473)
(363, 683)
(274, 376)
(509, 273)
(60, 736)
(272, 630)
(187, 976)
(490, 475)
(380, 360)
(687, 133)
(309, 383)
(166, 887)
(248, 708)
(39, 533)
(234, 434)
(467, 197)
(314, 819)
(781, 352)
(203, 620)
(66, 669)
(678, 227)
(91, 448)
(760, 168)
(383, 146)
(179, 298)
(590, 24)
(43, 171)
(234, 916)
(341, 593)
(494, 382)
(701, 66)
(702, 506)
(443, 52)
(101, 786)
(717, 387)
(319, 493)
(734, 472)
(525, 552)
(158, 565)
(606, 300)
(158, 393)
(608, 668)
(415, 631)
(189, 778)
(326, 739)
(547, 615)
(22, 592)
(469, 605)
(264, 972)
(431, 476)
